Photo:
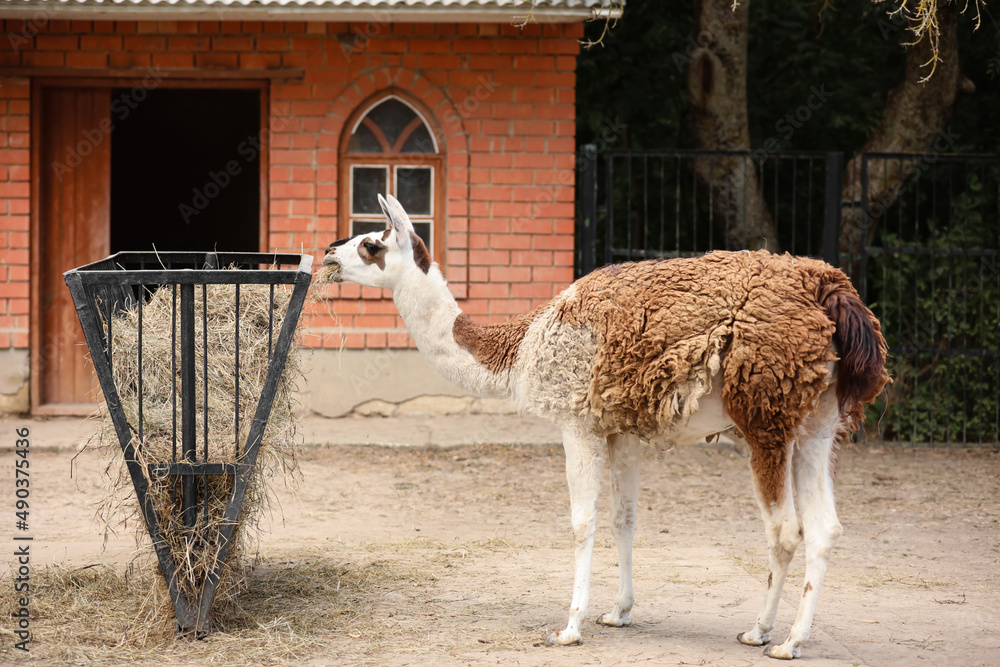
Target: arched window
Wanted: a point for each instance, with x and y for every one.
(389, 147)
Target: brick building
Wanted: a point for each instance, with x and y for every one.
(270, 126)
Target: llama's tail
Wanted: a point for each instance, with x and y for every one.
(861, 370)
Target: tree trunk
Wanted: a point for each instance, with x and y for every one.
(912, 122)
(717, 74)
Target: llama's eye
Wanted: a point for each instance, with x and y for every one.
(371, 248)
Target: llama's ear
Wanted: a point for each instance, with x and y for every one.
(385, 209)
(397, 218)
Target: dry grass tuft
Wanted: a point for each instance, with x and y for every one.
(748, 563)
(324, 274)
(882, 578)
(194, 550)
(291, 611)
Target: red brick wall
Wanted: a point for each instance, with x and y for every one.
(15, 212)
(503, 97)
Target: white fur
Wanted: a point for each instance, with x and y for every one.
(550, 379)
(423, 300)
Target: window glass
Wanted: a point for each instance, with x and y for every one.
(367, 183)
(364, 141)
(423, 229)
(413, 189)
(419, 142)
(391, 127)
(392, 117)
(366, 227)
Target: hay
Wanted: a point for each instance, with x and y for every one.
(294, 610)
(324, 274)
(194, 551)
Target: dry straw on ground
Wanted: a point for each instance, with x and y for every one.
(292, 611)
(194, 552)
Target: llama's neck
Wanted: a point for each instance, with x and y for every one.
(430, 311)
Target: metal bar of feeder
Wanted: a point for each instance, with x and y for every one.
(191, 277)
(189, 510)
(140, 364)
(110, 319)
(173, 382)
(204, 357)
(193, 469)
(237, 376)
(175, 260)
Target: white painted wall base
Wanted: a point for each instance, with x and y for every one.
(14, 381)
(337, 383)
(382, 382)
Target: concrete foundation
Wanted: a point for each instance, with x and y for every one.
(383, 383)
(14, 374)
(386, 383)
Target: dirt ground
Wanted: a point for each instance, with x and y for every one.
(396, 556)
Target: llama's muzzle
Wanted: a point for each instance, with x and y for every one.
(331, 269)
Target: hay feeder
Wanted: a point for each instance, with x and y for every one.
(120, 284)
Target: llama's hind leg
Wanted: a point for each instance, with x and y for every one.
(812, 473)
(773, 487)
(626, 457)
(585, 453)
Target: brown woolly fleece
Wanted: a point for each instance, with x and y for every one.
(495, 346)
(421, 257)
(770, 323)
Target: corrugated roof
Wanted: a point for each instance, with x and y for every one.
(320, 10)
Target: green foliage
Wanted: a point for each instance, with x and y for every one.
(974, 115)
(852, 53)
(854, 49)
(638, 77)
(938, 298)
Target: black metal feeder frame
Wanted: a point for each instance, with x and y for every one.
(102, 289)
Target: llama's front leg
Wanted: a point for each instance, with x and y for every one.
(585, 454)
(626, 458)
(773, 487)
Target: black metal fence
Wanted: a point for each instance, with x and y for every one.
(665, 204)
(930, 271)
(918, 234)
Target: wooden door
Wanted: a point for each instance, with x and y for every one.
(74, 176)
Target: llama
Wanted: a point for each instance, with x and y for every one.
(668, 352)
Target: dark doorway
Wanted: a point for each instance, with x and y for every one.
(185, 170)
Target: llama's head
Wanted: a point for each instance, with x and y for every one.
(378, 259)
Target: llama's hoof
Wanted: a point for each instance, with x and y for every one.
(743, 638)
(783, 652)
(612, 622)
(562, 638)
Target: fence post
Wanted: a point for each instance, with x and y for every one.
(588, 209)
(832, 208)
